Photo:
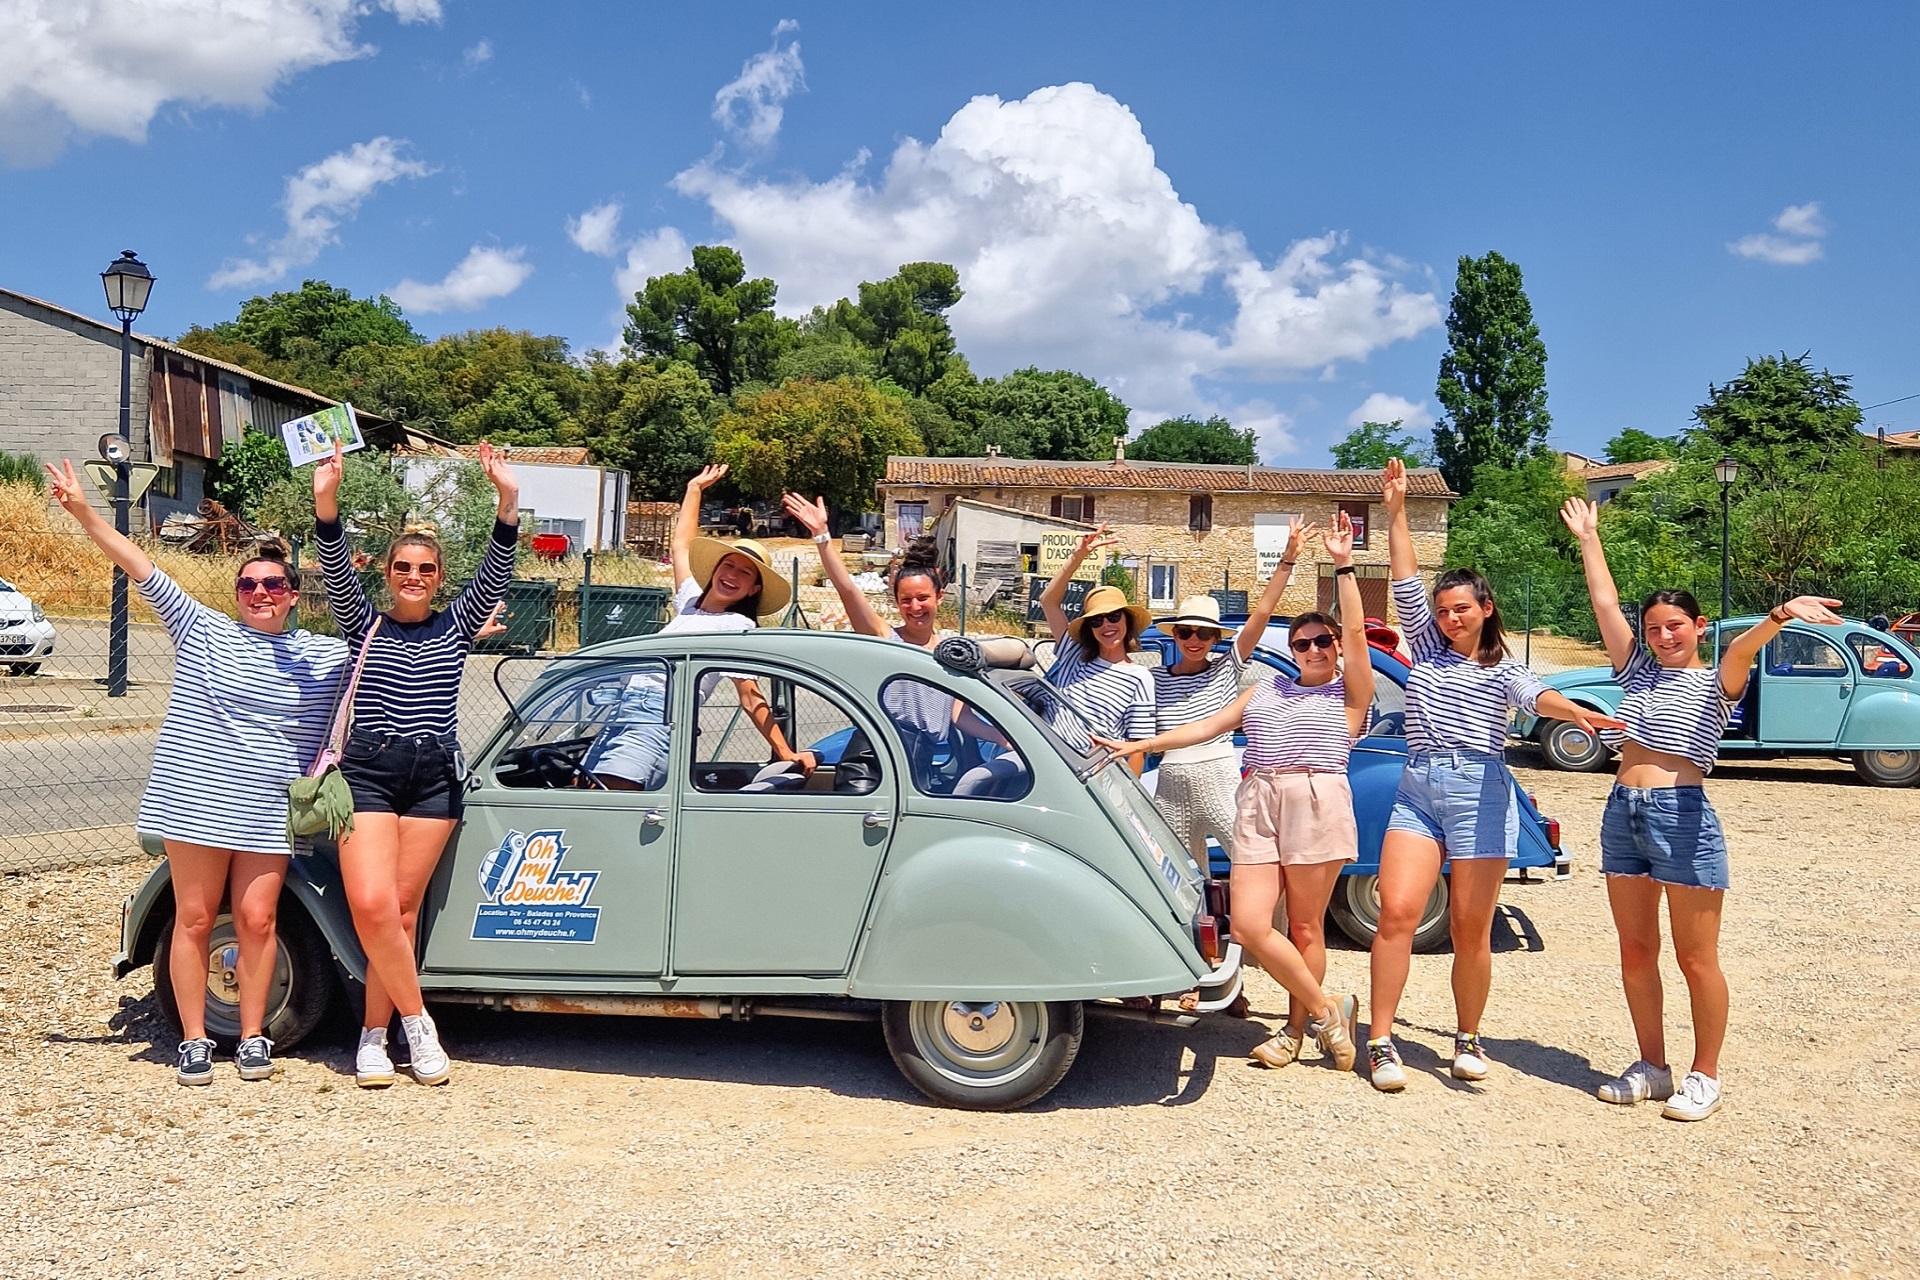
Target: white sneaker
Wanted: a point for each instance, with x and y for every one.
(430, 1064)
(1383, 1063)
(1469, 1057)
(1640, 1082)
(372, 1068)
(1697, 1098)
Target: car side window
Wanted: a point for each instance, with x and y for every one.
(603, 726)
(1878, 660)
(954, 747)
(1801, 653)
(1389, 718)
(739, 714)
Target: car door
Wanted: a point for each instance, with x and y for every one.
(562, 863)
(1806, 681)
(774, 871)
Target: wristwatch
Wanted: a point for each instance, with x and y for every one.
(822, 539)
(1342, 570)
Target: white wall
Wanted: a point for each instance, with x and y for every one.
(551, 492)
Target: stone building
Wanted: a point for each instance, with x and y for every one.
(1183, 528)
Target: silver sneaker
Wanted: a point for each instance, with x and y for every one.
(1641, 1082)
(372, 1068)
(429, 1061)
(1697, 1098)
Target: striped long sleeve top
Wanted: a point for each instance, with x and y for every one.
(410, 686)
(1453, 702)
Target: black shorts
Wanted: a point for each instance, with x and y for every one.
(410, 777)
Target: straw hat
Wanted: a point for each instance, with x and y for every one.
(1197, 611)
(1105, 599)
(706, 553)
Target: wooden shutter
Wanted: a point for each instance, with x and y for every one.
(1053, 508)
(1086, 508)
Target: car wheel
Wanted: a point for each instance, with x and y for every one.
(1356, 912)
(984, 1055)
(1568, 746)
(24, 668)
(1888, 768)
(302, 989)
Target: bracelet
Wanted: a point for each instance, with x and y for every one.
(1344, 570)
(822, 539)
(1776, 614)
(1287, 564)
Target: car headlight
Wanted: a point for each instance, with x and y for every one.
(39, 614)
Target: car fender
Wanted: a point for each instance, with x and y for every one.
(1883, 717)
(312, 881)
(985, 917)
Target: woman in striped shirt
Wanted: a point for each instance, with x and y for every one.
(1659, 837)
(1456, 800)
(402, 760)
(246, 713)
(1092, 667)
(1294, 827)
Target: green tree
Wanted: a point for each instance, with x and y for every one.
(246, 471)
(1369, 445)
(1631, 444)
(1493, 378)
(300, 335)
(712, 317)
(902, 320)
(1779, 415)
(1034, 413)
(1508, 527)
(1191, 440)
(824, 357)
(655, 423)
(22, 467)
(829, 439)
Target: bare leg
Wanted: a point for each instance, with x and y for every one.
(1695, 917)
(422, 841)
(369, 866)
(1473, 891)
(1409, 868)
(1636, 916)
(199, 874)
(1309, 888)
(1255, 890)
(256, 879)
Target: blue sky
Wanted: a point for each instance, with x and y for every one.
(1209, 208)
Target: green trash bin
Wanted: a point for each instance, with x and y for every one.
(528, 618)
(615, 613)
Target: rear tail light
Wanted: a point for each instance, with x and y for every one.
(1553, 834)
(1217, 898)
(1206, 932)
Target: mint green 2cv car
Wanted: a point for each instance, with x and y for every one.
(953, 859)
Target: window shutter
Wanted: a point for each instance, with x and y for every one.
(1200, 512)
(1086, 508)
(1054, 509)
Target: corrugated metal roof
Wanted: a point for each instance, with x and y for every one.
(1186, 477)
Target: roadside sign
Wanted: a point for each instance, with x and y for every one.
(139, 477)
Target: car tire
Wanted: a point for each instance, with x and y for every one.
(1568, 746)
(303, 988)
(986, 1055)
(24, 668)
(1888, 768)
(1356, 913)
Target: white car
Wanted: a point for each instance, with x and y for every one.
(26, 637)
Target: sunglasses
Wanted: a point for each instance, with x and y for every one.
(1102, 619)
(1188, 633)
(426, 570)
(1322, 641)
(275, 586)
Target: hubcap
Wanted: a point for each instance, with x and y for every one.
(979, 1044)
(1892, 761)
(979, 1028)
(223, 981)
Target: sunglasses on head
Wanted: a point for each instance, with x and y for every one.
(426, 570)
(1102, 619)
(1322, 641)
(1188, 633)
(275, 585)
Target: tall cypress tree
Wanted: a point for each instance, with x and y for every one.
(1493, 378)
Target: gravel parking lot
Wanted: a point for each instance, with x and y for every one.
(583, 1146)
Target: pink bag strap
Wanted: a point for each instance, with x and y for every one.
(343, 714)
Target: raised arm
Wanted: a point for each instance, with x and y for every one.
(346, 598)
(1582, 518)
(1053, 599)
(1736, 664)
(1357, 673)
(120, 549)
(861, 614)
(1402, 560)
(474, 605)
(1225, 720)
(686, 525)
(1262, 614)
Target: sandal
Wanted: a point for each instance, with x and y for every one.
(1280, 1051)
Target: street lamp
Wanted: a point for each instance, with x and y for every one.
(128, 284)
(1726, 471)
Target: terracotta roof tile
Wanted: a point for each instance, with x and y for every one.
(552, 454)
(1027, 473)
(1624, 470)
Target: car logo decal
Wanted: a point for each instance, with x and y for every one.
(529, 898)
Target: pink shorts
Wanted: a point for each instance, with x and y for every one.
(1293, 818)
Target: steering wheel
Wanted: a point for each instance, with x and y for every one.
(559, 770)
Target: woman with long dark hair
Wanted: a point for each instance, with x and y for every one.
(1456, 799)
(1659, 837)
(247, 711)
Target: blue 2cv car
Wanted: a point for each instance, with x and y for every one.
(1846, 691)
(970, 894)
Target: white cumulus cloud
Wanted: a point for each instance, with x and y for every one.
(107, 67)
(317, 200)
(478, 55)
(1381, 407)
(1801, 228)
(657, 253)
(597, 230)
(751, 105)
(1075, 250)
(480, 277)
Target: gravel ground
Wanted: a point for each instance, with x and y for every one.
(581, 1146)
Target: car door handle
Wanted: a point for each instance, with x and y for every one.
(876, 818)
(652, 818)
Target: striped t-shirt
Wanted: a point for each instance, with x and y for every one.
(1453, 702)
(1184, 699)
(1290, 725)
(246, 714)
(410, 686)
(1116, 698)
(1677, 710)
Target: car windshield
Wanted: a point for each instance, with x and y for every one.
(1063, 723)
(5, 585)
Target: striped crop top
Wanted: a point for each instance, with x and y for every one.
(1290, 725)
(1680, 711)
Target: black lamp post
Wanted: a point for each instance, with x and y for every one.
(1726, 471)
(128, 284)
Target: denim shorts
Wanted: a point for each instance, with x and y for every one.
(1670, 834)
(1463, 799)
(410, 777)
